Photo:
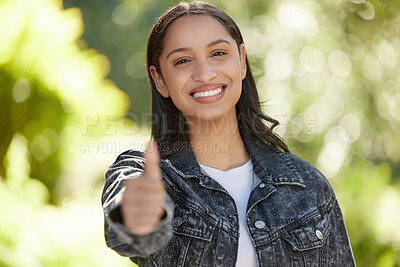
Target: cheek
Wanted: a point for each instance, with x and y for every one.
(232, 68)
(175, 82)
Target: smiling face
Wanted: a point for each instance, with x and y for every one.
(201, 68)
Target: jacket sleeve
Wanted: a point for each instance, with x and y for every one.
(128, 166)
(339, 248)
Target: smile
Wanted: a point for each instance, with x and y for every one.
(208, 93)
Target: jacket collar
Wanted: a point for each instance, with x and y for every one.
(270, 164)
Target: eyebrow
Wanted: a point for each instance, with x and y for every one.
(183, 49)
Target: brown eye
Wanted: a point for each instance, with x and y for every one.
(219, 53)
(181, 61)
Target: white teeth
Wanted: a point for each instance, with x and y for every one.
(208, 93)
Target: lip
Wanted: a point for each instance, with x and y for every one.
(209, 87)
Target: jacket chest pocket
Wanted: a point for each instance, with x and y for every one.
(189, 222)
(308, 241)
(192, 239)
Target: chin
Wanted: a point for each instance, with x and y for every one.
(212, 115)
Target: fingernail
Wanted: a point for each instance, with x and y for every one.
(151, 146)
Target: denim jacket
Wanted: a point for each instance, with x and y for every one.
(293, 217)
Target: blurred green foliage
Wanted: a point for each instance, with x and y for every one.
(328, 70)
(49, 89)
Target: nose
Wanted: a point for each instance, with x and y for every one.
(203, 72)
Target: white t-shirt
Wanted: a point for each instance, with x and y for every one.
(238, 182)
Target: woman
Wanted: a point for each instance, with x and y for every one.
(226, 192)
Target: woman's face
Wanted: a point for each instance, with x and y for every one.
(201, 68)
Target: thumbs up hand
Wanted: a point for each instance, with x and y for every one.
(144, 196)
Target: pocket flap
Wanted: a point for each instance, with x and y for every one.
(190, 223)
(310, 234)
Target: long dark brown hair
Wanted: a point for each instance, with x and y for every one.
(169, 127)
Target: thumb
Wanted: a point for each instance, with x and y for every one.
(152, 161)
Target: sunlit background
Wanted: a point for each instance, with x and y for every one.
(73, 95)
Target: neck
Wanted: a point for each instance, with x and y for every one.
(217, 142)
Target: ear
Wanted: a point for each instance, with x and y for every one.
(159, 81)
(243, 60)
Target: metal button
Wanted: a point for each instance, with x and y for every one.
(262, 185)
(259, 224)
(319, 234)
(177, 221)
